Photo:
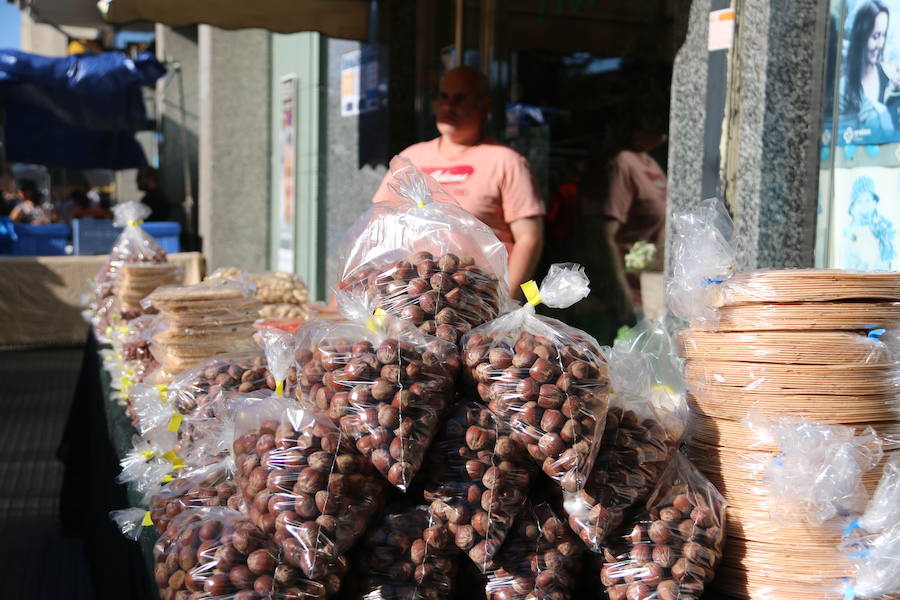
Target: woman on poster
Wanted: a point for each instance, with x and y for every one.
(870, 91)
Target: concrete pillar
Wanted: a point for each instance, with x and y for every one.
(177, 45)
(769, 146)
(233, 190)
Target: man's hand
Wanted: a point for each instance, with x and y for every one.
(528, 242)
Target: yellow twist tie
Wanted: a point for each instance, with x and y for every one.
(147, 522)
(163, 390)
(148, 454)
(175, 422)
(108, 331)
(420, 203)
(279, 388)
(532, 293)
(168, 478)
(179, 464)
(170, 456)
(663, 388)
(135, 222)
(118, 356)
(376, 321)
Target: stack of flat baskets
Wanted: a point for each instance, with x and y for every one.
(806, 343)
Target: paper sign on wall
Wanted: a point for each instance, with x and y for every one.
(350, 83)
(721, 29)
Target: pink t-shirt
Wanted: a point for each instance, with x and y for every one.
(637, 199)
(490, 180)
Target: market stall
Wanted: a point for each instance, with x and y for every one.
(437, 441)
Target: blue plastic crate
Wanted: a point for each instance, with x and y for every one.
(92, 236)
(41, 240)
(167, 234)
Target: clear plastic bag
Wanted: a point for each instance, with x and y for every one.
(702, 256)
(818, 474)
(130, 521)
(548, 380)
(877, 560)
(282, 294)
(405, 556)
(383, 381)
(425, 259)
(883, 509)
(133, 245)
(673, 545)
(638, 442)
(477, 480)
(202, 320)
(212, 485)
(302, 481)
(216, 553)
(541, 559)
(192, 391)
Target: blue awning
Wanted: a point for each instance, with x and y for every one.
(80, 111)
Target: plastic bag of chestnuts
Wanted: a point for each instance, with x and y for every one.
(672, 547)
(419, 256)
(302, 481)
(384, 383)
(405, 556)
(540, 560)
(218, 553)
(192, 390)
(212, 485)
(638, 441)
(477, 480)
(548, 380)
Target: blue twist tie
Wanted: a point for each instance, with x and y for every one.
(707, 281)
(851, 527)
(877, 333)
(778, 460)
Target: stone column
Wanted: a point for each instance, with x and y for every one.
(769, 147)
(234, 161)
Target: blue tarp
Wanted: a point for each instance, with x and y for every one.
(80, 111)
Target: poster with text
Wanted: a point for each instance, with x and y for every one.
(287, 193)
(868, 93)
(864, 219)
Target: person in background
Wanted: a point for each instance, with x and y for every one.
(148, 182)
(621, 208)
(8, 198)
(490, 180)
(31, 210)
(88, 208)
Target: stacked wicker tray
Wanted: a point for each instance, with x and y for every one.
(803, 343)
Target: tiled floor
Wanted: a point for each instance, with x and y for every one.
(36, 562)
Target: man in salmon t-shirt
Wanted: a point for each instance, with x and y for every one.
(490, 180)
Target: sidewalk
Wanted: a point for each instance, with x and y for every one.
(35, 395)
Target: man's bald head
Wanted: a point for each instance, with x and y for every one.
(463, 105)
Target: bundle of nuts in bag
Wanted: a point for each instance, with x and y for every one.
(303, 481)
(133, 246)
(634, 451)
(477, 480)
(193, 390)
(217, 553)
(207, 486)
(405, 556)
(421, 257)
(283, 295)
(546, 379)
(540, 560)
(673, 546)
(385, 383)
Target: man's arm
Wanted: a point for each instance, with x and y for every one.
(528, 241)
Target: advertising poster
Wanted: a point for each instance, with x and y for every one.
(287, 193)
(350, 83)
(864, 219)
(868, 98)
